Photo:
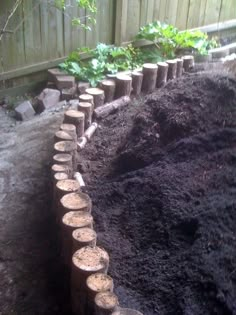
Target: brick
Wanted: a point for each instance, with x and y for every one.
(24, 111)
(82, 86)
(68, 94)
(48, 98)
(53, 73)
(65, 82)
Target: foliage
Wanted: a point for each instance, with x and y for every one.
(91, 9)
(103, 60)
(168, 39)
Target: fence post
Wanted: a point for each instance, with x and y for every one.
(121, 21)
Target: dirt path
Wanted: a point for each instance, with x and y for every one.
(29, 271)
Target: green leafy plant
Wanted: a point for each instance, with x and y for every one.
(168, 39)
(103, 60)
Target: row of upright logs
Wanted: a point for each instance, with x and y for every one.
(145, 79)
(91, 287)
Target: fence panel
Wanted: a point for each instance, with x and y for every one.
(181, 13)
(41, 33)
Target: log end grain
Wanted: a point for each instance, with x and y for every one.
(76, 201)
(68, 185)
(78, 219)
(68, 128)
(62, 135)
(84, 236)
(65, 146)
(106, 301)
(100, 282)
(60, 176)
(90, 259)
(62, 158)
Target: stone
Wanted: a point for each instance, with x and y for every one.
(53, 73)
(68, 94)
(82, 86)
(24, 111)
(65, 81)
(47, 99)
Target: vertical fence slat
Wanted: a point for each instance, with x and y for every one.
(47, 34)
(182, 14)
(133, 22)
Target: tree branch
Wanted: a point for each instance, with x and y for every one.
(16, 5)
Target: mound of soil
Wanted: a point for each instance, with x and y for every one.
(162, 177)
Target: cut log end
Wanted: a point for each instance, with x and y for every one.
(60, 176)
(60, 168)
(84, 236)
(76, 201)
(106, 301)
(65, 146)
(100, 282)
(91, 259)
(68, 185)
(62, 158)
(62, 135)
(98, 96)
(78, 219)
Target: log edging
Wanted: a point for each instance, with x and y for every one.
(80, 292)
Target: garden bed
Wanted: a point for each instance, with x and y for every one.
(162, 177)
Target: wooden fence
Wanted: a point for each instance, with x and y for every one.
(40, 36)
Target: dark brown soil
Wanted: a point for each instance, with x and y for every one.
(162, 177)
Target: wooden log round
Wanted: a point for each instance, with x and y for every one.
(87, 109)
(74, 202)
(63, 158)
(68, 147)
(161, 74)
(76, 118)
(69, 128)
(73, 221)
(60, 168)
(188, 63)
(62, 135)
(137, 80)
(149, 77)
(98, 96)
(82, 237)
(98, 282)
(179, 70)
(62, 188)
(90, 131)
(81, 143)
(59, 176)
(109, 108)
(87, 98)
(172, 69)
(86, 261)
(109, 87)
(106, 303)
(123, 85)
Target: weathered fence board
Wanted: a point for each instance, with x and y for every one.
(42, 35)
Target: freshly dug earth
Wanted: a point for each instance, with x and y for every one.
(162, 177)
